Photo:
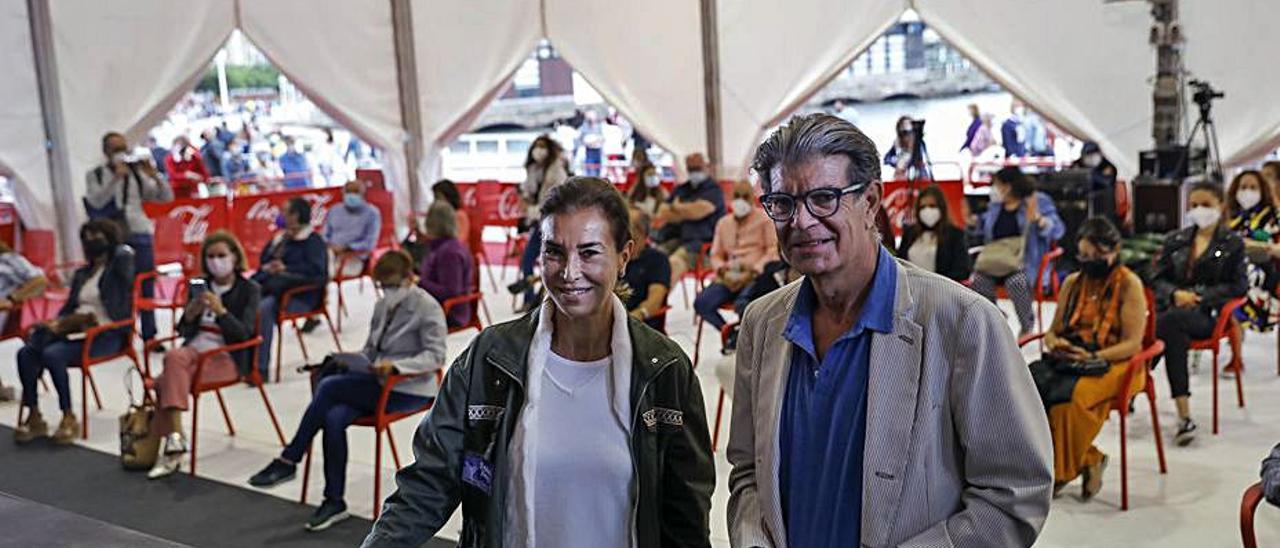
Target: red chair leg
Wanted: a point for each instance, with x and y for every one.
(1124, 462)
(84, 404)
(271, 413)
(1215, 390)
(697, 341)
(297, 332)
(715, 434)
(231, 430)
(377, 472)
(1155, 426)
(336, 343)
(93, 387)
(306, 475)
(279, 348)
(342, 306)
(195, 431)
(391, 441)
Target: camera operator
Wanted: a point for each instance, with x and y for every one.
(128, 182)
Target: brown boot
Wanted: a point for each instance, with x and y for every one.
(30, 429)
(68, 430)
(1093, 479)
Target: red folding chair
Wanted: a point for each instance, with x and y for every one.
(165, 296)
(1139, 368)
(1048, 263)
(200, 386)
(87, 362)
(474, 322)
(1248, 507)
(56, 291)
(699, 272)
(715, 433)
(697, 342)
(1222, 331)
(381, 422)
(366, 272)
(283, 315)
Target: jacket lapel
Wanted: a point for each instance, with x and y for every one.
(773, 371)
(892, 391)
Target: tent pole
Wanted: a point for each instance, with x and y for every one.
(407, 76)
(711, 83)
(60, 181)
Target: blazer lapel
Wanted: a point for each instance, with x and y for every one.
(892, 391)
(775, 367)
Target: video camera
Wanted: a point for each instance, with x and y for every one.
(1204, 93)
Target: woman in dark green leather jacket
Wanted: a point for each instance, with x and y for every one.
(573, 425)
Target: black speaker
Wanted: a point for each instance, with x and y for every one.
(1157, 207)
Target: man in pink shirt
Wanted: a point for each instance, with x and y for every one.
(744, 243)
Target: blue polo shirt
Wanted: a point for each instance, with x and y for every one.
(824, 418)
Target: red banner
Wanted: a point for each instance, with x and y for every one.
(253, 217)
(181, 226)
(492, 203)
(898, 200)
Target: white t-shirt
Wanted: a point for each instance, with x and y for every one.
(924, 251)
(584, 470)
(89, 300)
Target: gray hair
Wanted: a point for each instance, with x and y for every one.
(441, 221)
(811, 136)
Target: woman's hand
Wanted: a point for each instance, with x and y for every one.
(1184, 298)
(213, 302)
(195, 307)
(384, 369)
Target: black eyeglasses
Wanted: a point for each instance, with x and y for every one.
(821, 202)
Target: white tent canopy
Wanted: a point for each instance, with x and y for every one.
(1085, 65)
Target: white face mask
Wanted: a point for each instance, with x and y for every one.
(120, 158)
(1204, 217)
(1247, 198)
(929, 216)
(539, 154)
(741, 207)
(221, 267)
(652, 181)
(697, 176)
(1093, 160)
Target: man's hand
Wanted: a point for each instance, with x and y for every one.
(384, 369)
(1183, 298)
(274, 267)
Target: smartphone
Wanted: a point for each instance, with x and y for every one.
(195, 288)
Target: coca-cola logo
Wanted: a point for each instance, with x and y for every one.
(194, 220)
(897, 205)
(319, 207)
(510, 206)
(263, 210)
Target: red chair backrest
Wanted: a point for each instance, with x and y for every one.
(1149, 334)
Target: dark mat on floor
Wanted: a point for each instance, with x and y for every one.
(182, 509)
(30, 524)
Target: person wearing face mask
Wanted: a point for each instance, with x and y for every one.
(1201, 267)
(101, 292)
(933, 242)
(294, 165)
(1253, 218)
(220, 311)
(1102, 176)
(128, 184)
(572, 425)
(689, 217)
(744, 243)
(295, 257)
(1101, 316)
(186, 168)
(406, 336)
(447, 270)
(1017, 210)
(647, 193)
(545, 169)
(352, 231)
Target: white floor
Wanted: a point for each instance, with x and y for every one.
(1195, 505)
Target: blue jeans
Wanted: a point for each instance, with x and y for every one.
(268, 307)
(593, 159)
(144, 260)
(45, 351)
(530, 258)
(708, 303)
(340, 400)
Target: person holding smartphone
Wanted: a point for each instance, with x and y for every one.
(101, 292)
(220, 311)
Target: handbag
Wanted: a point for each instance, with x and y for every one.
(1000, 258)
(138, 444)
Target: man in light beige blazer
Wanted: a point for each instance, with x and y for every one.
(942, 414)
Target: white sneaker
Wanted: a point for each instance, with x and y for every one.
(169, 456)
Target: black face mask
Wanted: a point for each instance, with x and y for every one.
(95, 248)
(1096, 268)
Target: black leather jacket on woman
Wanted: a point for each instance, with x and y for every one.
(1218, 276)
(476, 415)
(115, 286)
(237, 325)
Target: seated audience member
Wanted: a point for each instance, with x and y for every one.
(1253, 218)
(295, 257)
(688, 219)
(445, 190)
(19, 281)
(352, 230)
(1271, 476)
(219, 312)
(1271, 172)
(186, 168)
(447, 268)
(546, 167)
(406, 335)
(1201, 267)
(646, 193)
(101, 292)
(648, 275)
(744, 243)
(933, 242)
(1101, 318)
(1017, 210)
